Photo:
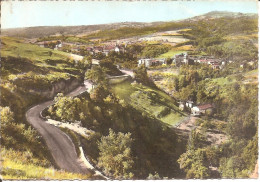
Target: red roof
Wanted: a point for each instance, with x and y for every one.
(205, 106)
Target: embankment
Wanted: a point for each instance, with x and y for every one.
(61, 86)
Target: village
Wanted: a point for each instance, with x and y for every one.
(120, 46)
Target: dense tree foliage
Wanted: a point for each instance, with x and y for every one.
(115, 154)
(152, 51)
(141, 76)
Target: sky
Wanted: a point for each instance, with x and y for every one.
(16, 14)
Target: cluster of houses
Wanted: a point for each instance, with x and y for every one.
(75, 47)
(105, 49)
(184, 58)
(196, 110)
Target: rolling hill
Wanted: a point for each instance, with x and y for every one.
(41, 31)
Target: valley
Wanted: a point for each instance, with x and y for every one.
(162, 100)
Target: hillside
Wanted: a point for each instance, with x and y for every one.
(84, 30)
(152, 102)
(133, 123)
(29, 75)
(42, 31)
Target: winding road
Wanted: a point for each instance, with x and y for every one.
(59, 144)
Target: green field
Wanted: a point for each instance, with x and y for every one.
(33, 60)
(152, 102)
(16, 48)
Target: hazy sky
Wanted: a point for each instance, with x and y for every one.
(51, 13)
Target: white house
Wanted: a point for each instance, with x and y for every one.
(117, 49)
(202, 109)
(145, 62)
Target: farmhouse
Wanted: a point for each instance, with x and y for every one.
(202, 109)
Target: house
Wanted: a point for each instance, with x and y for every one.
(97, 49)
(202, 109)
(189, 103)
(145, 62)
(216, 66)
(108, 49)
(181, 106)
(151, 62)
(119, 49)
(179, 59)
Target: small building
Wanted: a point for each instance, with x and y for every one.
(189, 103)
(202, 109)
(181, 105)
(145, 62)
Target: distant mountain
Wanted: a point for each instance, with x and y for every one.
(221, 14)
(34, 32)
(41, 31)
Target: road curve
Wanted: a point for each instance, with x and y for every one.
(59, 144)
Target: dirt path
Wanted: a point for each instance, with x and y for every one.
(215, 137)
(188, 124)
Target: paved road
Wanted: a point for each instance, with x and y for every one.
(60, 145)
(127, 72)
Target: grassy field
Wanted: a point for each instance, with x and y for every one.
(41, 63)
(16, 48)
(223, 81)
(18, 165)
(151, 102)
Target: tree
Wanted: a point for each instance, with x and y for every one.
(7, 116)
(168, 61)
(115, 154)
(97, 76)
(194, 163)
(141, 76)
(66, 107)
(99, 93)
